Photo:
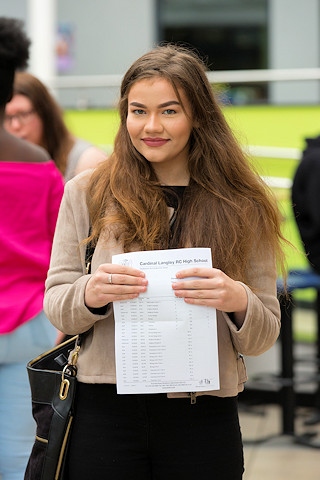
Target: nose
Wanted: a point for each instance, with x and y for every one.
(13, 125)
(153, 123)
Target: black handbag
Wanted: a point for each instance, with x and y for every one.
(53, 382)
(53, 386)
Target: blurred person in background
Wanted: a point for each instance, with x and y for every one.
(33, 114)
(305, 195)
(31, 189)
(306, 200)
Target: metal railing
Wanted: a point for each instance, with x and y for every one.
(229, 76)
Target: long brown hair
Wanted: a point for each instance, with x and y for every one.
(226, 207)
(56, 138)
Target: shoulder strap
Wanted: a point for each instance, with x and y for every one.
(88, 257)
(89, 253)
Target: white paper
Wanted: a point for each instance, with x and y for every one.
(163, 344)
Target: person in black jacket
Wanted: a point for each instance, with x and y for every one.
(306, 207)
(306, 201)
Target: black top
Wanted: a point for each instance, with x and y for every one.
(174, 197)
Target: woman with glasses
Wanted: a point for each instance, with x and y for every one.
(31, 189)
(34, 115)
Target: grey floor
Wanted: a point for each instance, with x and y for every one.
(268, 453)
(271, 455)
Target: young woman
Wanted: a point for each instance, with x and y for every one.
(31, 189)
(177, 178)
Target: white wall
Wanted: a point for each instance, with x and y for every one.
(294, 43)
(109, 36)
(14, 9)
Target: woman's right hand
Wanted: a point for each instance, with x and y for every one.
(113, 282)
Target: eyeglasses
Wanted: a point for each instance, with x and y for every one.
(21, 117)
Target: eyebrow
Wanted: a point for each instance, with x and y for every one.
(162, 105)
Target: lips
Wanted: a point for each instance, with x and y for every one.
(155, 142)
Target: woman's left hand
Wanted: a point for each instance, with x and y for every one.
(213, 288)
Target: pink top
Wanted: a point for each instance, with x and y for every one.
(30, 196)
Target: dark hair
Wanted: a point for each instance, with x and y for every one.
(14, 54)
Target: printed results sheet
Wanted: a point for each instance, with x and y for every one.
(163, 344)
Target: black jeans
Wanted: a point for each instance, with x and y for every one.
(151, 437)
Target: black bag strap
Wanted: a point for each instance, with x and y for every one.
(89, 254)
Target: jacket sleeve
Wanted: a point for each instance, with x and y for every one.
(66, 279)
(261, 326)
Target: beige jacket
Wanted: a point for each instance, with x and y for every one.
(64, 302)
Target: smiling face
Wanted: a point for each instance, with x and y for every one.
(159, 125)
